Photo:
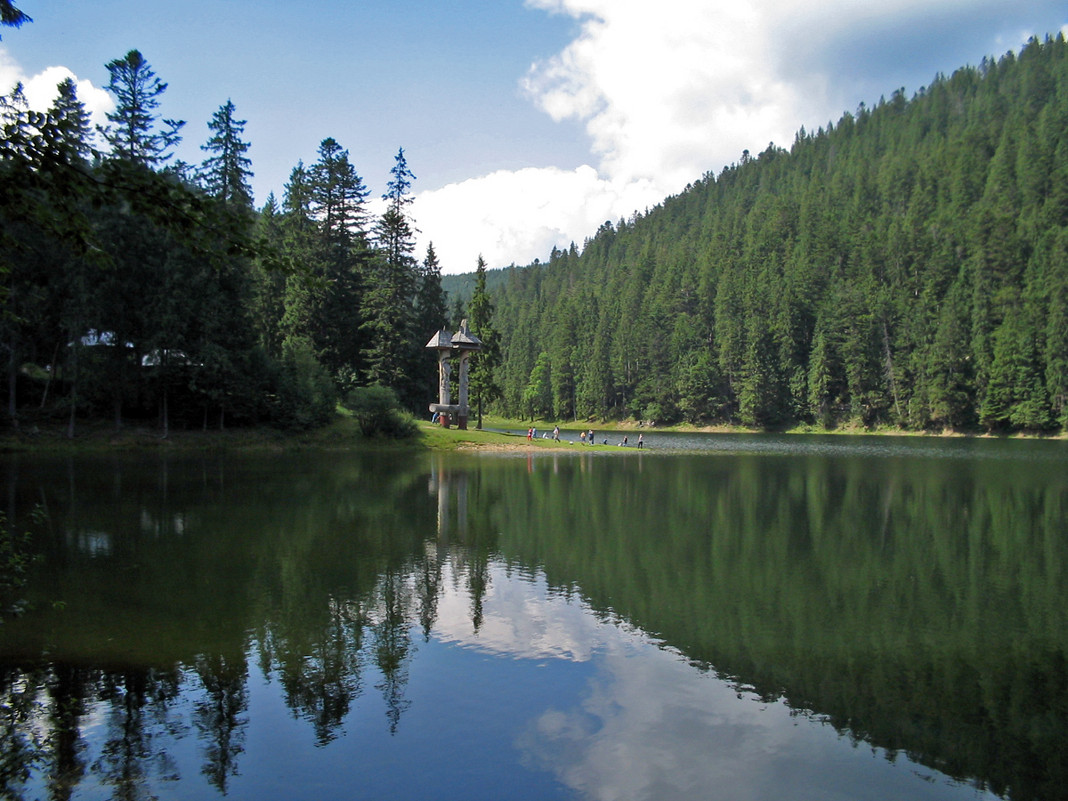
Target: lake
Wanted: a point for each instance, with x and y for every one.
(720, 617)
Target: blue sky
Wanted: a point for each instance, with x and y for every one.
(527, 122)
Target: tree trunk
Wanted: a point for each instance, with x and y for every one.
(12, 376)
(73, 388)
(890, 371)
(166, 415)
(51, 373)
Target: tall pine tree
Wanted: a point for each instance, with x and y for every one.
(226, 172)
(392, 344)
(484, 386)
(337, 199)
(133, 134)
(431, 314)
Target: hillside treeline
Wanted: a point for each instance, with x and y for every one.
(907, 266)
(136, 287)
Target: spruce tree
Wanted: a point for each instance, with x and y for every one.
(431, 314)
(72, 139)
(225, 173)
(431, 302)
(337, 196)
(296, 232)
(484, 386)
(538, 394)
(71, 128)
(11, 16)
(338, 258)
(133, 134)
(269, 283)
(296, 200)
(393, 344)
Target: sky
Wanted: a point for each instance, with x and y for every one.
(527, 123)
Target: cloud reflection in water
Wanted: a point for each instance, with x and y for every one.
(653, 726)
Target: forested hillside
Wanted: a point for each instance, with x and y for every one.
(906, 266)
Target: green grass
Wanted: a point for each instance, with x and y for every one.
(447, 439)
(438, 438)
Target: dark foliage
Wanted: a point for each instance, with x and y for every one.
(906, 267)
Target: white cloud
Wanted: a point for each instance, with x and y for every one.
(519, 216)
(40, 89)
(668, 93)
(665, 95)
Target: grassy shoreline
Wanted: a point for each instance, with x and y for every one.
(344, 434)
(627, 426)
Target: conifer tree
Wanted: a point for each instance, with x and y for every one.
(133, 134)
(337, 196)
(538, 394)
(394, 230)
(269, 284)
(11, 16)
(302, 295)
(43, 221)
(821, 386)
(431, 314)
(296, 200)
(431, 302)
(1057, 353)
(73, 140)
(484, 386)
(393, 343)
(225, 173)
(71, 126)
(336, 201)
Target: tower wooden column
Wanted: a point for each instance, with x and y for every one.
(461, 344)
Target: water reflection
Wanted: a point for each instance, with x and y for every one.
(723, 625)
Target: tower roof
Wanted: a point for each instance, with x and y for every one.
(465, 340)
(442, 340)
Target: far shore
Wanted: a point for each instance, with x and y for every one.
(344, 435)
(629, 426)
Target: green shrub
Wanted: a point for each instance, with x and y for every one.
(305, 395)
(379, 414)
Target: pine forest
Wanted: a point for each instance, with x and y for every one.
(139, 288)
(904, 267)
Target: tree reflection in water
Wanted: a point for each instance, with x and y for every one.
(882, 595)
(220, 715)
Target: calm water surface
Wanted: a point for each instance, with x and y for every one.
(723, 617)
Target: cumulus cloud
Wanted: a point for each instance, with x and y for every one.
(40, 89)
(518, 216)
(669, 92)
(665, 95)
